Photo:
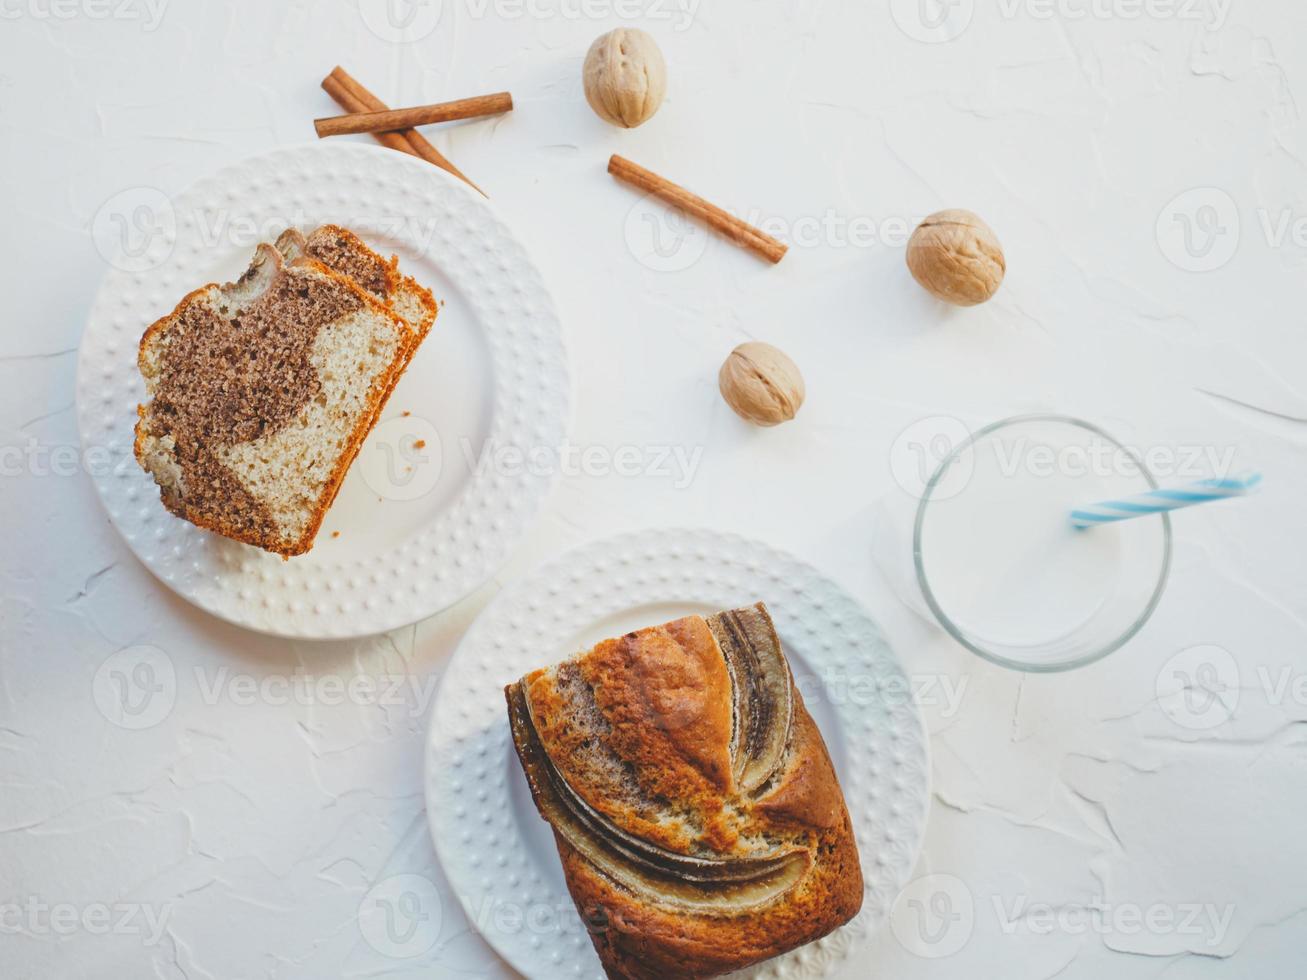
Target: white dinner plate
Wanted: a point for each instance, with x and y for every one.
(497, 852)
(456, 467)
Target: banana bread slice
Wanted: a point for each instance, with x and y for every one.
(340, 250)
(697, 815)
(261, 393)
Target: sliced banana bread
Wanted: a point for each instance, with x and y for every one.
(261, 393)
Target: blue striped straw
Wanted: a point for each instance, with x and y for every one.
(1161, 501)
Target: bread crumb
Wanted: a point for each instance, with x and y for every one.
(335, 534)
(405, 413)
(420, 444)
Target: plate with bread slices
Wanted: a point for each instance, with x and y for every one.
(676, 754)
(302, 381)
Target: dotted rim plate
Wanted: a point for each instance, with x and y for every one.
(458, 546)
(493, 846)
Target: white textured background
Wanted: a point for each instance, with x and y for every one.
(1076, 822)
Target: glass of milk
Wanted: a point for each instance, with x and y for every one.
(1000, 565)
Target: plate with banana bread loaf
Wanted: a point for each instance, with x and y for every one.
(303, 382)
(676, 754)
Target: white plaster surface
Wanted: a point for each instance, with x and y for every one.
(1082, 825)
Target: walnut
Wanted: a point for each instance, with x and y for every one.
(625, 77)
(957, 257)
(761, 384)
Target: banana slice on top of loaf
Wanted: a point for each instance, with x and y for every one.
(261, 392)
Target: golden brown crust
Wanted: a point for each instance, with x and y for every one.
(388, 288)
(419, 330)
(618, 796)
(665, 695)
(378, 394)
(808, 792)
(662, 705)
(342, 250)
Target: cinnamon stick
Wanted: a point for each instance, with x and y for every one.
(347, 101)
(341, 86)
(724, 223)
(396, 119)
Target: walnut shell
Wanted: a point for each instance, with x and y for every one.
(957, 258)
(761, 384)
(625, 77)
